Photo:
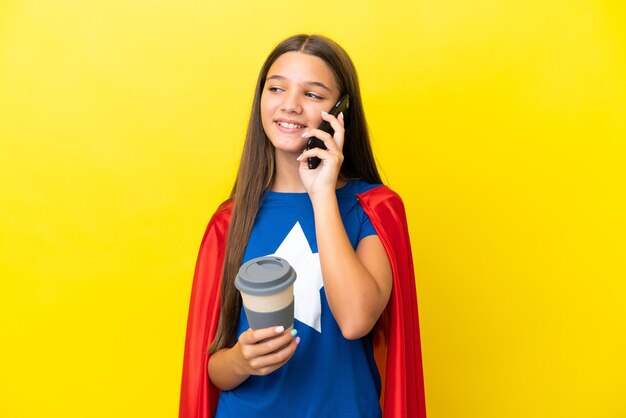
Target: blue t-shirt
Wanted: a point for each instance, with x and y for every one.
(328, 376)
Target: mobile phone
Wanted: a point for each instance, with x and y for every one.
(314, 142)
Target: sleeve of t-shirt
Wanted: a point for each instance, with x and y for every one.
(367, 228)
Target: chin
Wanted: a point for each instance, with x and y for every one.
(289, 146)
(289, 149)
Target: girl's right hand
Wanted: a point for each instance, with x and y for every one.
(260, 352)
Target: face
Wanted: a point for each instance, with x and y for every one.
(297, 89)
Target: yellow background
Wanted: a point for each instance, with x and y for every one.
(502, 125)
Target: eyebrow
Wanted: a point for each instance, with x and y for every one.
(308, 83)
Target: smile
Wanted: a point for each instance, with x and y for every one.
(289, 125)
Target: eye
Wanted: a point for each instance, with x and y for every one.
(275, 89)
(314, 96)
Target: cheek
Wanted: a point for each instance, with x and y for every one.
(266, 113)
(315, 118)
(267, 107)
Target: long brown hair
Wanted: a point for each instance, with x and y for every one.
(256, 169)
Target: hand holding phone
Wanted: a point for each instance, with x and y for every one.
(314, 142)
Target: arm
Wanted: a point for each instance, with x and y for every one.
(358, 283)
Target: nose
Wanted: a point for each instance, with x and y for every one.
(292, 103)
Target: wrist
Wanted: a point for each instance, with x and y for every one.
(239, 365)
(323, 197)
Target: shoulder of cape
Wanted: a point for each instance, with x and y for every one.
(221, 217)
(224, 210)
(381, 197)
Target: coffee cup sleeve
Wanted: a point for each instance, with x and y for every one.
(258, 320)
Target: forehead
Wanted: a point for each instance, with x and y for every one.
(300, 68)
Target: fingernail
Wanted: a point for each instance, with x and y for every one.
(297, 340)
(341, 115)
(304, 135)
(324, 113)
(279, 329)
(294, 332)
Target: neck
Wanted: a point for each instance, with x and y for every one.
(286, 177)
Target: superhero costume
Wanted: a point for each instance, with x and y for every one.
(397, 343)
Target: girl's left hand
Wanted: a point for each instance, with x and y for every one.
(324, 177)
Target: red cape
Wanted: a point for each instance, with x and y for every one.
(397, 346)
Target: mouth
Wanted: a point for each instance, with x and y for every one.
(289, 125)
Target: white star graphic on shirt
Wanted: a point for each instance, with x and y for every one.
(296, 250)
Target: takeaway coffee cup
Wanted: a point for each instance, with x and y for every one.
(266, 286)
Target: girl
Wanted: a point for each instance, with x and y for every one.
(357, 347)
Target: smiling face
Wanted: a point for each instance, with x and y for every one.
(297, 89)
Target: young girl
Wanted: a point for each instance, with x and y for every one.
(355, 345)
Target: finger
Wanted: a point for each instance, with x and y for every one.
(267, 345)
(272, 361)
(278, 359)
(340, 140)
(254, 336)
(327, 138)
(325, 155)
(337, 123)
(275, 343)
